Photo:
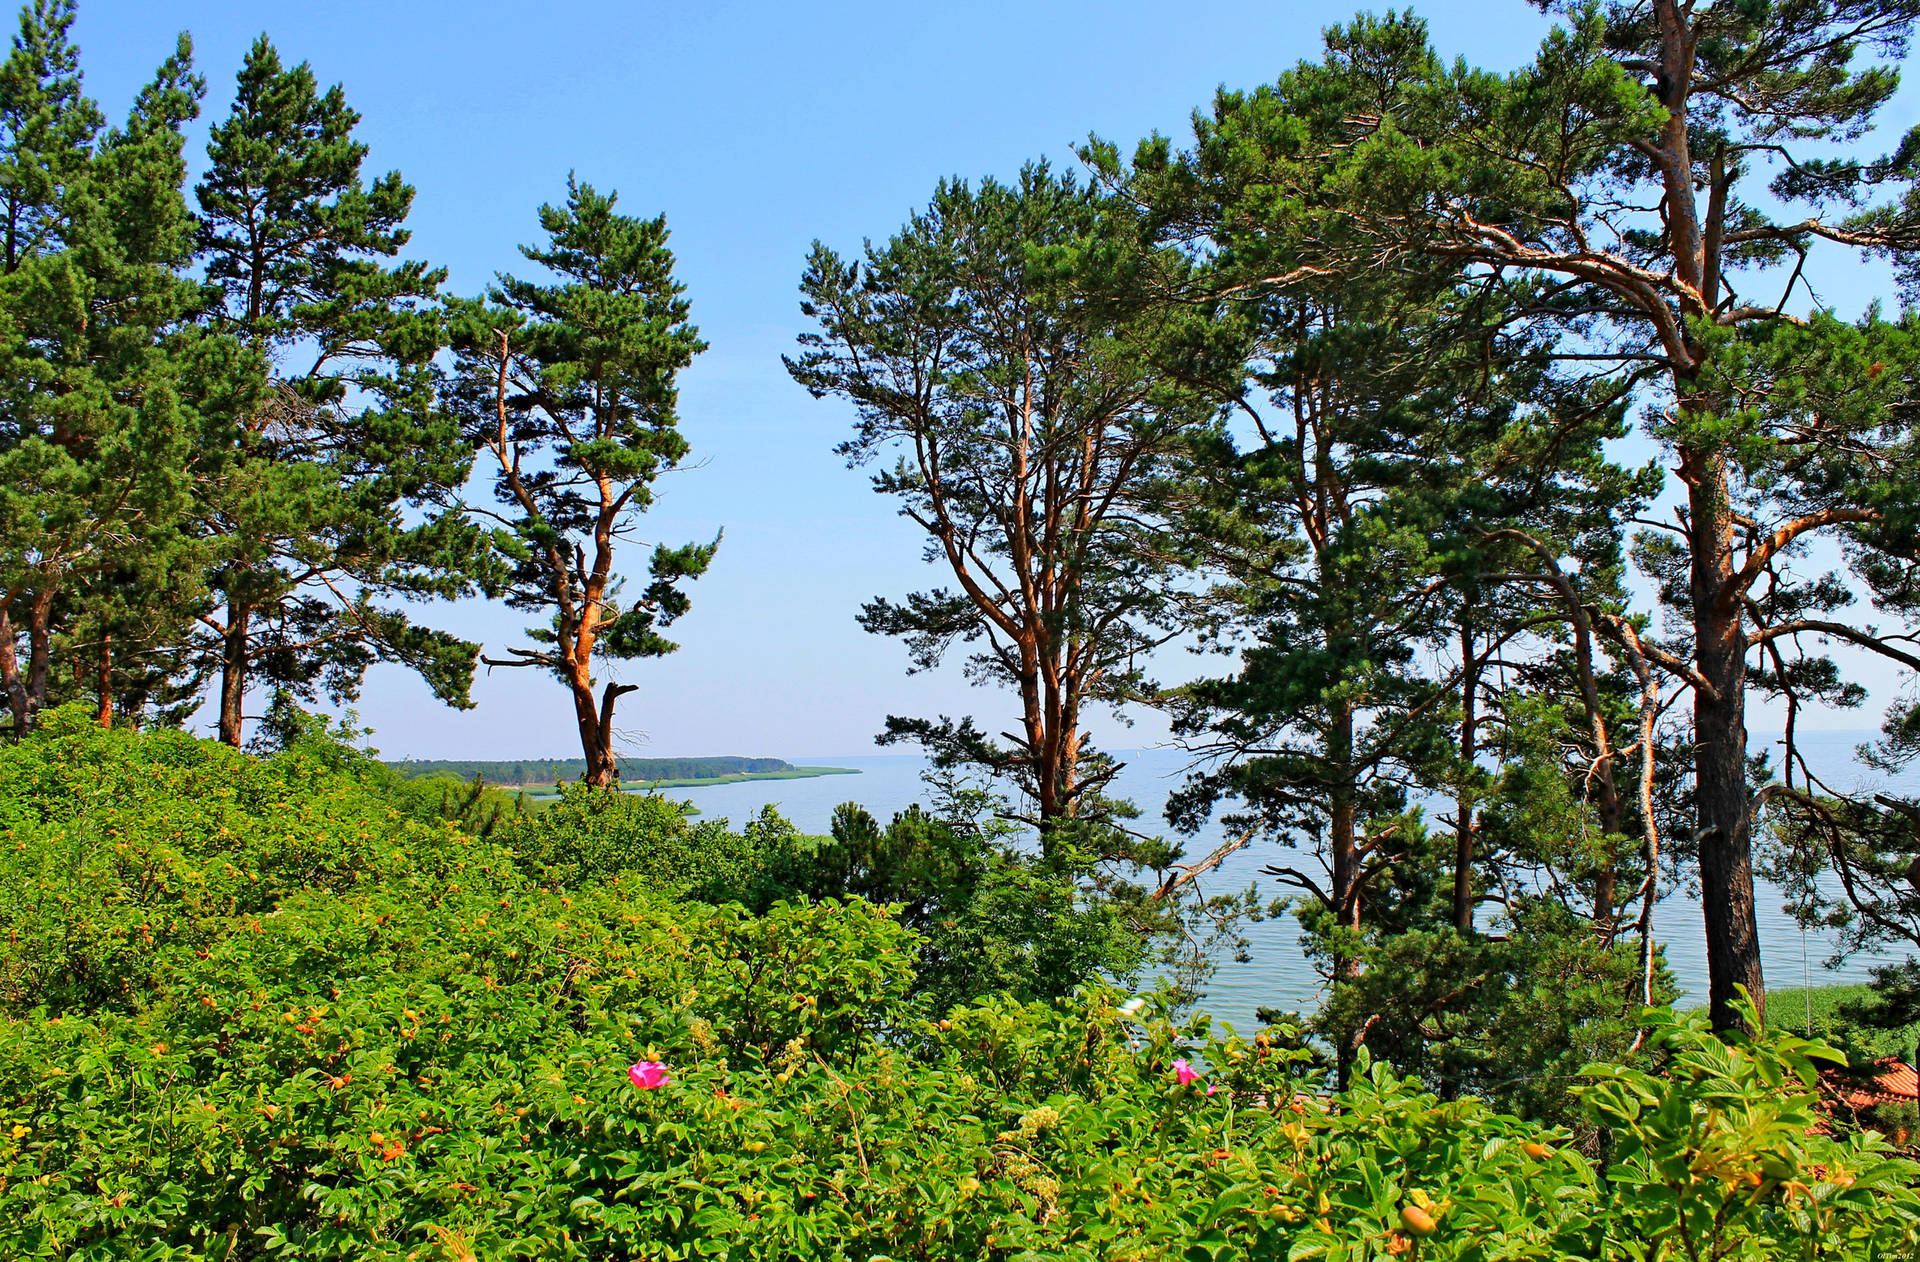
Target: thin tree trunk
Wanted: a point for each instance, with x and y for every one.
(1463, 817)
(16, 687)
(103, 679)
(233, 673)
(1606, 883)
(39, 649)
(1464, 801)
(1649, 822)
(1342, 823)
(1722, 813)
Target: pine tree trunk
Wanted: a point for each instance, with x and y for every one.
(596, 731)
(1046, 781)
(1069, 761)
(103, 679)
(1723, 816)
(16, 687)
(602, 773)
(1041, 734)
(233, 674)
(1342, 825)
(1055, 772)
(39, 649)
(1464, 803)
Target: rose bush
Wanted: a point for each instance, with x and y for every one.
(374, 1038)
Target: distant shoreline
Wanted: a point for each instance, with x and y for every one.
(794, 773)
(542, 777)
(648, 786)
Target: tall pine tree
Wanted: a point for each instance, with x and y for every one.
(569, 387)
(95, 433)
(321, 501)
(1029, 411)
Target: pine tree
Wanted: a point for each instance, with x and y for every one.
(569, 388)
(1034, 410)
(326, 493)
(47, 130)
(94, 431)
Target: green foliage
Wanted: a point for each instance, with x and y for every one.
(994, 918)
(1511, 1018)
(1847, 1018)
(269, 1016)
(990, 918)
(127, 853)
(592, 835)
(474, 807)
(1714, 1154)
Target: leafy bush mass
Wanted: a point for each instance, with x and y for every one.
(260, 1008)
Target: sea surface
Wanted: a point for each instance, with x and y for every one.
(1278, 974)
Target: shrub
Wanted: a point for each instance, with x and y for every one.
(392, 1042)
(591, 835)
(993, 918)
(473, 806)
(125, 854)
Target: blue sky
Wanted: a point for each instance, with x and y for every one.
(756, 128)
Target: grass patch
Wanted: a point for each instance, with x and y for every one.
(1787, 1009)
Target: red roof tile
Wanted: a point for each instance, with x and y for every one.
(1889, 1081)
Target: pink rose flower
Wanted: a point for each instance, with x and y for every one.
(648, 1074)
(1184, 1072)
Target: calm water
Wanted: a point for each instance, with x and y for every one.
(1279, 975)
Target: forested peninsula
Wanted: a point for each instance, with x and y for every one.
(659, 773)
